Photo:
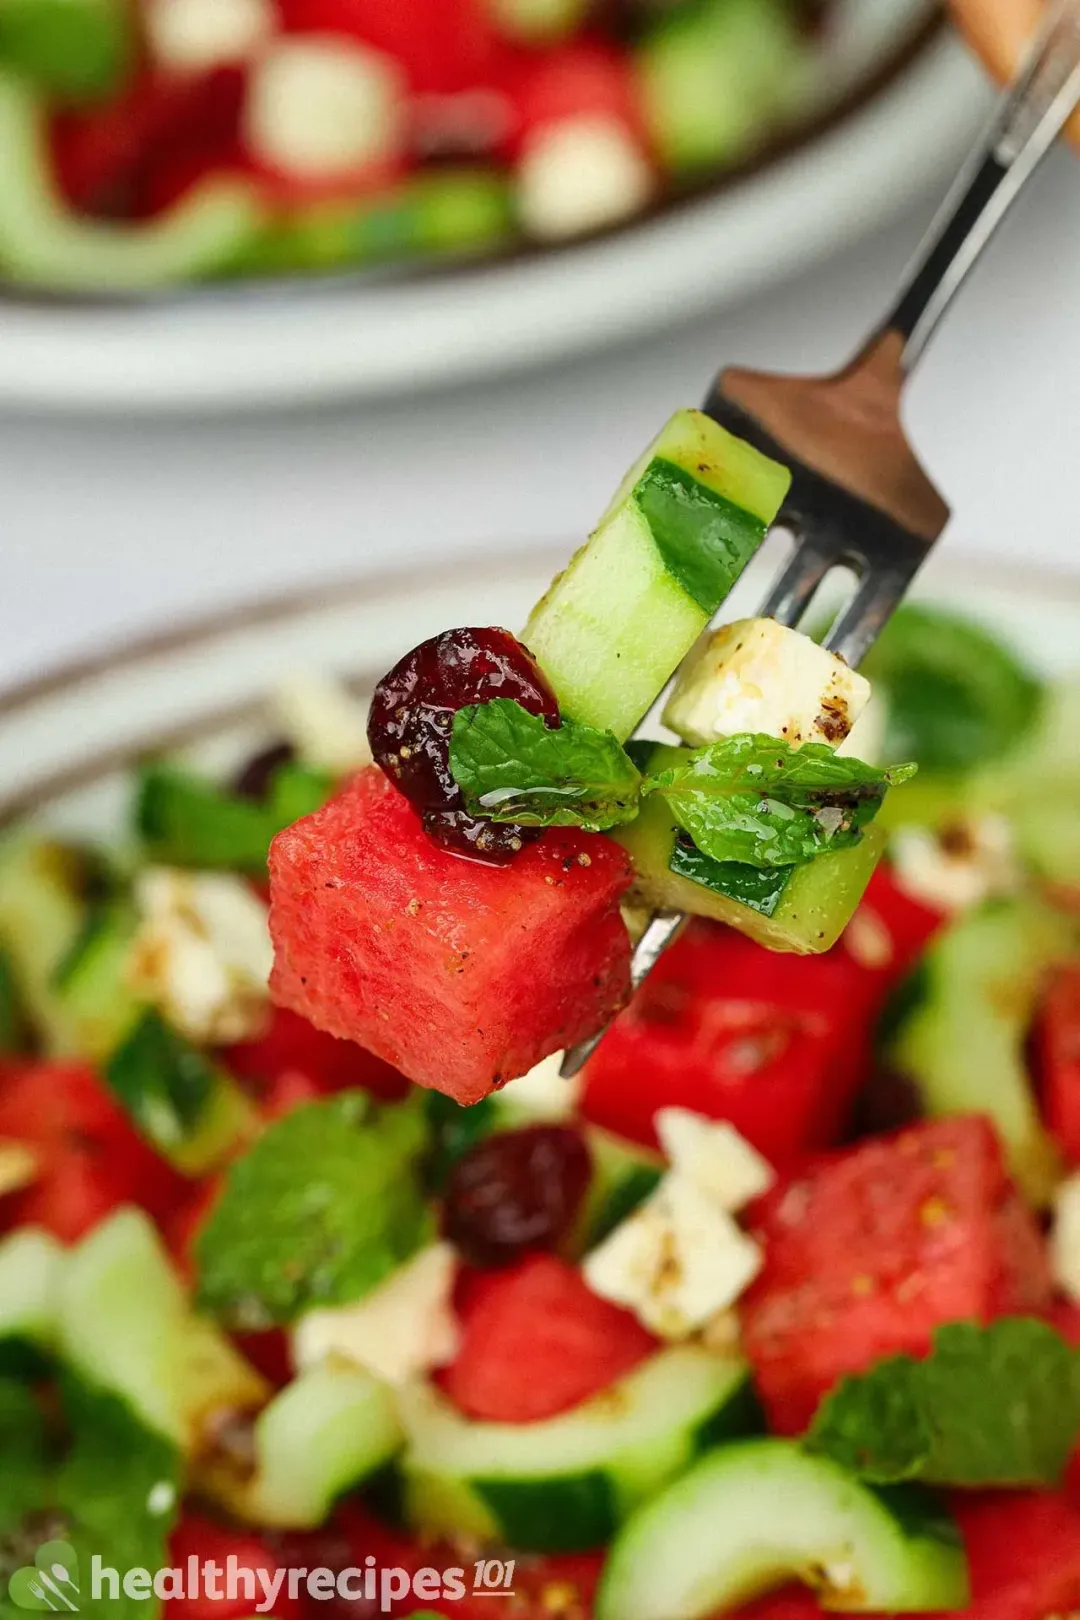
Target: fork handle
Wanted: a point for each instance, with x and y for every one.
(1028, 119)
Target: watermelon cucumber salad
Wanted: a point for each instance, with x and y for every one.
(152, 142)
(774, 1310)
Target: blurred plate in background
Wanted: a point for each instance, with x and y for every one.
(896, 103)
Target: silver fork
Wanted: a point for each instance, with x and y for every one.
(859, 497)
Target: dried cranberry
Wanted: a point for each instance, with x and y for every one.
(412, 715)
(255, 779)
(516, 1192)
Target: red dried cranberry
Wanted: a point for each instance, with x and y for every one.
(412, 715)
(516, 1192)
(255, 779)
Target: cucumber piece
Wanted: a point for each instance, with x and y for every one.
(325, 1433)
(192, 1111)
(42, 242)
(685, 522)
(42, 913)
(31, 1261)
(90, 985)
(801, 909)
(624, 1175)
(449, 212)
(757, 1515)
(70, 50)
(124, 1322)
(14, 1021)
(962, 1039)
(1037, 786)
(714, 76)
(567, 1483)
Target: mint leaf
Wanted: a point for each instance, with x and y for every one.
(323, 1207)
(113, 1496)
(757, 801)
(23, 1446)
(510, 766)
(990, 1406)
(117, 1492)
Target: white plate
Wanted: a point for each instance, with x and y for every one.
(68, 741)
(244, 348)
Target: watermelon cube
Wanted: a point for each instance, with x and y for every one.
(869, 1249)
(461, 975)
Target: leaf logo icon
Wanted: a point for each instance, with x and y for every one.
(51, 1583)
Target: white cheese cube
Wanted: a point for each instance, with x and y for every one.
(321, 107)
(1065, 1239)
(719, 1161)
(580, 174)
(758, 676)
(194, 36)
(323, 722)
(541, 1095)
(202, 953)
(676, 1262)
(399, 1332)
(959, 865)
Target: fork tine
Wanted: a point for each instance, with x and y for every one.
(799, 579)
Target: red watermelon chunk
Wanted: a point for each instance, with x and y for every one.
(870, 1249)
(536, 1342)
(461, 975)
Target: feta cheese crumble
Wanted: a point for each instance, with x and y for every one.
(957, 866)
(399, 1332)
(195, 36)
(323, 722)
(1065, 1238)
(320, 107)
(580, 174)
(759, 676)
(202, 953)
(677, 1262)
(719, 1161)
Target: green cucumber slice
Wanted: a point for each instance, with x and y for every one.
(567, 1483)
(43, 243)
(716, 75)
(31, 1261)
(623, 1176)
(962, 1041)
(42, 917)
(682, 527)
(15, 1034)
(800, 909)
(192, 1111)
(90, 983)
(124, 1322)
(756, 1515)
(325, 1433)
(72, 50)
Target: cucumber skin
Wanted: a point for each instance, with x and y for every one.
(906, 1553)
(191, 1111)
(578, 1508)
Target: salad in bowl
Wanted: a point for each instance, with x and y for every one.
(162, 142)
(321, 1291)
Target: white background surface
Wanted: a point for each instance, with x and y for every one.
(108, 527)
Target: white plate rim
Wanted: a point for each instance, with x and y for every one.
(227, 354)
